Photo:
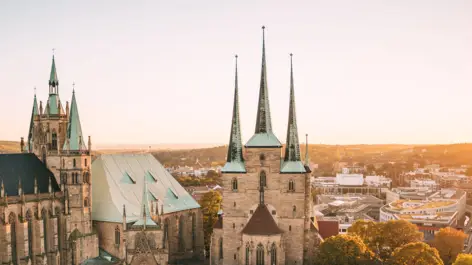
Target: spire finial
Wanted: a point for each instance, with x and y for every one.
(53, 50)
(35, 91)
(73, 88)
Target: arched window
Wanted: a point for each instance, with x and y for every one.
(86, 202)
(289, 228)
(273, 254)
(194, 231)
(74, 163)
(247, 256)
(29, 219)
(117, 236)
(14, 253)
(166, 233)
(234, 184)
(45, 216)
(262, 157)
(85, 161)
(54, 141)
(63, 163)
(181, 233)
(260, 254)
(221, 248)
(291, 185)
(262, 179)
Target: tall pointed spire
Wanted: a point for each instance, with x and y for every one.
(292, 162)
(34, 112)
(292, 147)
(307, 153)
(53, 80)
(263, 122)
(74, 129)
(263, 136)
(234, 158)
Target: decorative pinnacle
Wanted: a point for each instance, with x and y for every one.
(53, 49)
(34, 90)
(73, 87)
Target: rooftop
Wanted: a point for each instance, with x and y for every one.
(402, 205)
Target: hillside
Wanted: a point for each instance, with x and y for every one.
(9, 147)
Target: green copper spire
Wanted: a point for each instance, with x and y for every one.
(34, 112)
(53, 80)
(292, 162)
(263, 121)
(307, 153)
(263, 137)
(145, 216)
(292, 147)
(74, 129)
(234, 158)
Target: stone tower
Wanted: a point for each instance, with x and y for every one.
(56, 138)
(266, 196)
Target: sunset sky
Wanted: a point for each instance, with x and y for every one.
(149, 72)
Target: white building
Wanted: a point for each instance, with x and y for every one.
(424, 183)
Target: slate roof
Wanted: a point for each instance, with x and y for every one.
(261, 223)
(119, 179)
(292, 167)
(25, 166)
(327, 228)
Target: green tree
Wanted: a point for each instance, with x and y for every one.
(463, 259)
(368, 231)
(210, 204)
(449, 242)
(344, 250)
(417, 253)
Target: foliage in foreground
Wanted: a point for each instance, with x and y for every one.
(344, 250)
(463, 259)
(210, 203)
(417, 253)
(449, 242)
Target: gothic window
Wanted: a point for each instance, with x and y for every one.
(247, 256)
(45, 229)
(14, 253)
(85, 161)
(86, 202)
(260, 254)
(262, 180)
(181, 233)
(73, 163)
(86, 177)
(273, 254)
(166, 233)
(29, 219)
(117, 236)
(221, 248)
(234, 184)
(194, 231)
(54, 141)
(291, 185)
(43, 151)
(289, 228)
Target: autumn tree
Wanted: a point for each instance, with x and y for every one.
(449, 242)
(210, 205)
(384, 237)
(463, 259)
(344, 250)
(417, 253)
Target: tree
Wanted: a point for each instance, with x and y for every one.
(210, 204)
(449, 242)
(463, 259)
(384, 237)
(344, 250)
(417, 253)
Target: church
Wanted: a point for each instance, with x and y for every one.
(267, 201)
(58, 207)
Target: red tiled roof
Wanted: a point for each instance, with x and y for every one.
(328, 228)
(261, 223)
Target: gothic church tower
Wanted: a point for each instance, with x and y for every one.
(266, 196)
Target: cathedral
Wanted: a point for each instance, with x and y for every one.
(137, 213)
(267, 202)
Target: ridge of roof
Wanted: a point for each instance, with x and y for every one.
(261, 223)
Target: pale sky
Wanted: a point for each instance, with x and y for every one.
(163, 71)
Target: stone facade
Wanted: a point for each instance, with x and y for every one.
(290, 209)
(159, 245)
